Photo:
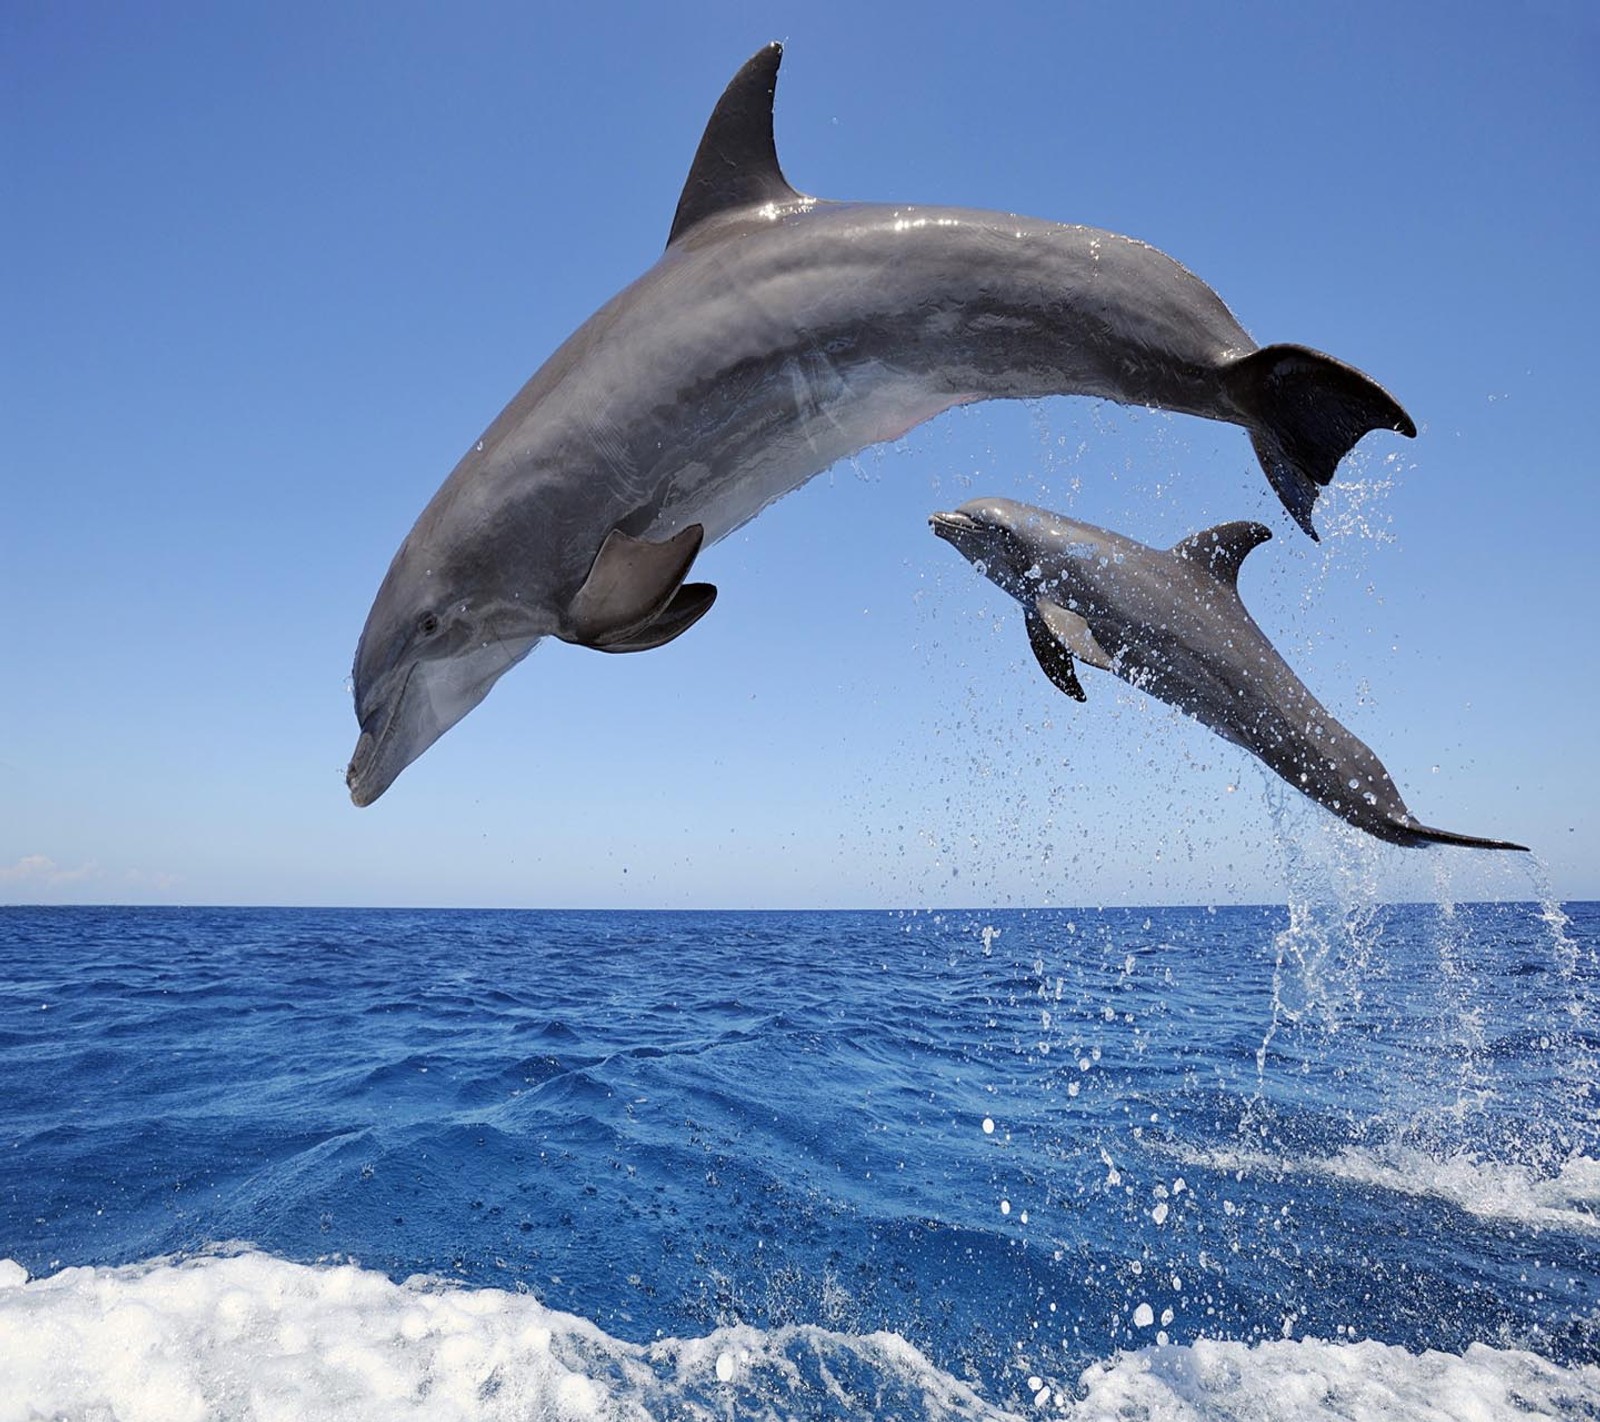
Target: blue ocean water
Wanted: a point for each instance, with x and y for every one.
(1138, 1163)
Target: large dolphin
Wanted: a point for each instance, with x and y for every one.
(1171, 623)
(777, 334)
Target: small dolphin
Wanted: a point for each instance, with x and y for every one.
(1172, 624)
(776, 335)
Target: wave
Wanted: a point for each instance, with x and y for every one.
(1489, 1189)
(244, 1335)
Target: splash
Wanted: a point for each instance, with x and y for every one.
(1429, 1004)
(1506, 1192)
(249, 1336)
(1578, 972)
(1321, 959)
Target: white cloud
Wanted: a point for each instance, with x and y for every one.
(157, 880)
(41, 869)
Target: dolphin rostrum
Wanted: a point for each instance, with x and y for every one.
(777, 334)
(1171, 623)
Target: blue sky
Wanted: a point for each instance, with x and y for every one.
(265, 271)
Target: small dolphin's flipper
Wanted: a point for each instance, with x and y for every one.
(631, 583)
(1223, 548)
(691, 603)
(1425, 834)
(1054, 659)
(1055, 634)
(736, 164)
(1073, 632)
(1305, 411)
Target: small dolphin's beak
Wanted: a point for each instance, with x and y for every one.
(964, 533)
(952, 525)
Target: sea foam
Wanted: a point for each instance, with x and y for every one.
(1314, 1381)
(248, 1336)
(1488, 1189)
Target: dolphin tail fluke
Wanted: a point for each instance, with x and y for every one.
(1305, 411)
(1426, 834)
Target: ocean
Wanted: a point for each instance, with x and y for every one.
(1316, 1161)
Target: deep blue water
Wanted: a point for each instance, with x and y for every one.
(1204, 1124)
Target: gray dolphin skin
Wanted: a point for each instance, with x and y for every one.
(1171, 623)
(776, 335)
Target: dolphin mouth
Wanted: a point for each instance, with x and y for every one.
(948, 525)
(365, 751)
(364, 758)
(970, 536)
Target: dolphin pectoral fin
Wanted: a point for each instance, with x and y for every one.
(1054, 659)
(736, 164)
(1055, 634)
(631, 583)
(1073, 632)
(1305, 411)
(1223, 548)
(691, 602)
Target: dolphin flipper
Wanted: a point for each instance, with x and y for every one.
(691, 602)
(1054, 659)
(1055, 634)
(1305, 411)
(1073, 632)
(631, 584)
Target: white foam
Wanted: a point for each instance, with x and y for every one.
(1313, 1381)
(227, 1338)
(248, 1336)
(1498, 1190)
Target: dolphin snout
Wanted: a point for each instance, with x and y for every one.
(969, 536)
(360, 763)
(948, 525)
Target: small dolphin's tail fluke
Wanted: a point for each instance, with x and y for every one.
(1414, 834)
(1305, 411)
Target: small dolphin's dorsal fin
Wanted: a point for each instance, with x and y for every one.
(1055, 634)
(736, 164)
(631, 584)
(1223, 548)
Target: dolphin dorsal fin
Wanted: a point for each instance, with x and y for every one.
(736, 164)
(1223, 548)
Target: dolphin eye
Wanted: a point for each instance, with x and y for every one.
(429, 624)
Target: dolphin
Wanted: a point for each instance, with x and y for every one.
(1171, 623)
(777, 334)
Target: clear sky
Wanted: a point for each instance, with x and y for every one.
(267, 270)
